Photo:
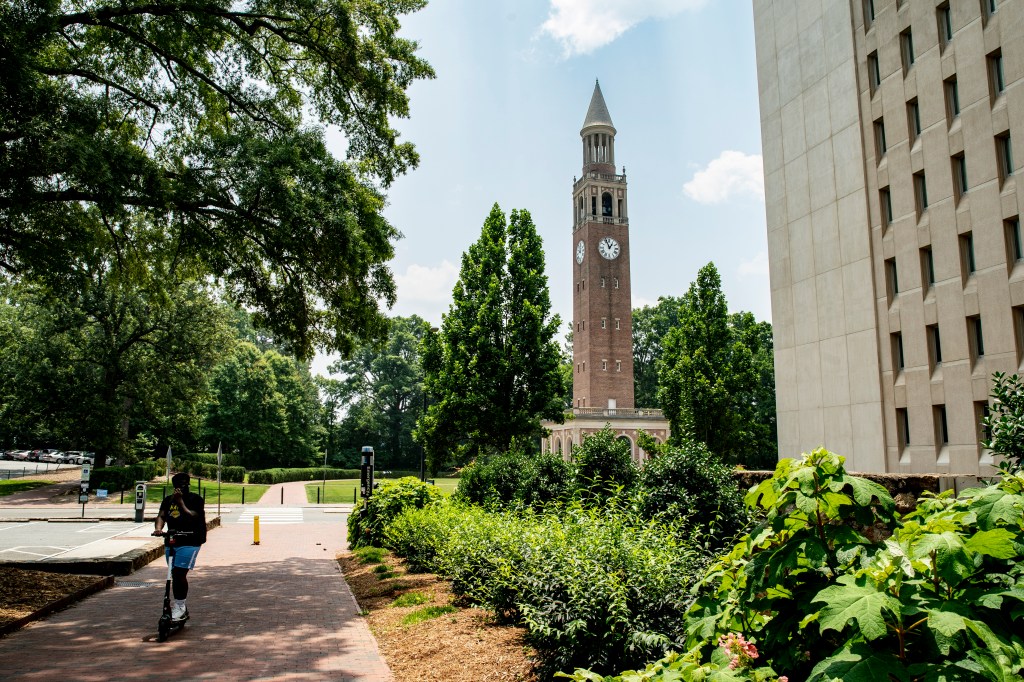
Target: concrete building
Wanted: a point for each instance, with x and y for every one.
(602, 302)
(891, 137)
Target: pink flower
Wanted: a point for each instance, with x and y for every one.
(783, 678)
(741, 651)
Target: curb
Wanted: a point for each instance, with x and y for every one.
(62, 603)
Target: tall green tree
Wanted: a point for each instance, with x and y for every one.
(382, 394)
(95, 369)
(492, 372)
(264, 407)
(709, 378)
(207, 118)
(650, 325)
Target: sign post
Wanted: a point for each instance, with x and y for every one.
(366, 472)
(83, 494)
(219, 456)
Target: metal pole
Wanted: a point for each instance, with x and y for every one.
(325, 479)
(243, 493)
(282, 493)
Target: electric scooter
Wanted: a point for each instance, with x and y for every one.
(166, 626)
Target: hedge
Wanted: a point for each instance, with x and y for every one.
(282, 475)
(199, 468)
(124, 478)
(227, 458)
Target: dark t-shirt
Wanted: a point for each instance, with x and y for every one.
(188, 530)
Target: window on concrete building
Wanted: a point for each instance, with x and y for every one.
(944, 18)
(914, 120)
(941, 425)
(952, 91)
(959, 167)
(885, 200)
(869, 14)
(892, 283)
(920, 193)
(967, 261)
(934, 345)
(927, 267)
(975, 337)
(874, 72)
(902, 427)
(1018, 333)
(988, 9)
(1014, 243)
(896, 340)
(996, 77)
(907, 50)
(880, 146)
(1004, 156)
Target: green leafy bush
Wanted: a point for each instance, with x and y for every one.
(124, 478)
(594, 586)
(200, 469)
(690, 484)
(228, 459)
(515, 479)
(1004, 423)
(367, 521)
(602, 464)
(941, 598)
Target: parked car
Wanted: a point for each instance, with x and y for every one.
(51, 455)
(80, 457)
(18, 455)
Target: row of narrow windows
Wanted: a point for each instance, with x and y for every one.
(940, 425)
(943, 18)
(582, 284)
(1013, 241)
(958, 171)
(606, 207)
(582, 366)
(582, 326)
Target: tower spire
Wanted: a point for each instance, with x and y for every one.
(597, 114)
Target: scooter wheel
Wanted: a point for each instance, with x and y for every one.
(163, 629)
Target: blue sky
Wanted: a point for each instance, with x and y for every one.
(501, 122)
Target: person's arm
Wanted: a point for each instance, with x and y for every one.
(179, 499)
(159, 522)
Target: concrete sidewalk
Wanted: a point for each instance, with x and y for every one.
(277, 611)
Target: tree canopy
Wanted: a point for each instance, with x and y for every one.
(192, 117)
(382, 394)
(650, 325)
(716, 381)
(492, 372)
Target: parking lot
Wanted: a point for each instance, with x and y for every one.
(15, 469)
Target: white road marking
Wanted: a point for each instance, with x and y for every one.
(274, 515)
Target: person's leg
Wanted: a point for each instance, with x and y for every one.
(184, 560)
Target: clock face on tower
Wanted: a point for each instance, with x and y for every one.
(580, 249)
(609, 248)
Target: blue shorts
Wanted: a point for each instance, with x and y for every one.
(184, 557)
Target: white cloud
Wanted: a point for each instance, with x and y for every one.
(425, 291)
(583, 26)
(731, 174)
(756, 266)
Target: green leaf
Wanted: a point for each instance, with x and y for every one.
(864, 604)
(997, 543)
(864, 491)
(951, 560)
(859, 664)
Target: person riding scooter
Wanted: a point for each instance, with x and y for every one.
(185, 516)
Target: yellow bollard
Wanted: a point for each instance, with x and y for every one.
(255, 530)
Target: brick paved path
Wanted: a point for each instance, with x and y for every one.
(278, 611)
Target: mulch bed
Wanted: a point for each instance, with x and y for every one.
(25, 595)
(463, 646)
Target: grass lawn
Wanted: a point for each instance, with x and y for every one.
(15, 485)
(347, 490)
(230, 493)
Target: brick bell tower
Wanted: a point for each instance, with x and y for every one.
(602, 302)
(602, 308)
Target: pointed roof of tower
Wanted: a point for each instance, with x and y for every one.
(598, 114)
